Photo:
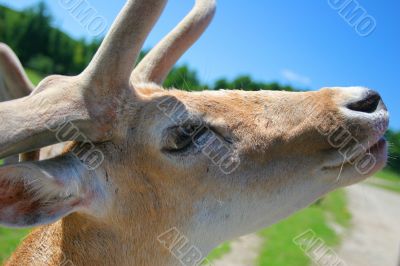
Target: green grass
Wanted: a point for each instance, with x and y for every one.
(391, 178)
(335, 204)
(219, 252)
(389, 175)
(389, 187)
(279, 248)
(9, 240)
(33, 76)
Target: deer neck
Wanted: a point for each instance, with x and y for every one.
(76, 241)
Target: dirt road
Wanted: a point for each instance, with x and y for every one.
(244, 252)
(374, 239)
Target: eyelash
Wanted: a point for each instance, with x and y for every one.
(191, 137)
(197, 137)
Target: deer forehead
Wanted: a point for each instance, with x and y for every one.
(234, 110)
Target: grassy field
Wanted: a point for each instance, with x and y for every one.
(391, 180)
(219, 252)
(33, 76)
(389, 175)
(279, 248)
(9, 240)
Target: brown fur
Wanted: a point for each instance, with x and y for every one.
(151, 192)
(146, 184)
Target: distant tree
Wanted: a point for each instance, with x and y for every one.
(221, 84)
(185, 79)
(245, 82)
(79, 60)
(37, 42)
(394, 150)
(41, 62)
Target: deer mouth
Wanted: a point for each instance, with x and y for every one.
(362, 165)
(378, 145)
(373, 160)
(380, 153)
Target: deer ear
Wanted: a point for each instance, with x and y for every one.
(39, 193)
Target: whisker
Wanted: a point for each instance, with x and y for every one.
(341, 170)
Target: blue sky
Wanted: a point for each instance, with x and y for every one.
(303, 43)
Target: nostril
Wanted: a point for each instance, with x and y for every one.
(367, 105)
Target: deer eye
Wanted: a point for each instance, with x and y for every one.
(182, 138)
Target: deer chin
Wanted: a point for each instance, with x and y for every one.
(380, 152)
(360, 167)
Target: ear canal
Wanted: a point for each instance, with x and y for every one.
(39, 193)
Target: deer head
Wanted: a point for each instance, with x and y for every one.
(215, 164)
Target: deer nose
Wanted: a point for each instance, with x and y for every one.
(370, 102)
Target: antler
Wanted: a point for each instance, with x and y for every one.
(14, 82)
(88, 100)
(159, 62)
(120, 50)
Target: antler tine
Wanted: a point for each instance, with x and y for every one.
(114, 61)
(159, 62)
(16, 82)
(26, 123)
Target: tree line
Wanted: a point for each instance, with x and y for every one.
(48, 50)
(40, 45)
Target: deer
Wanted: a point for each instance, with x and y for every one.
(211, 165)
